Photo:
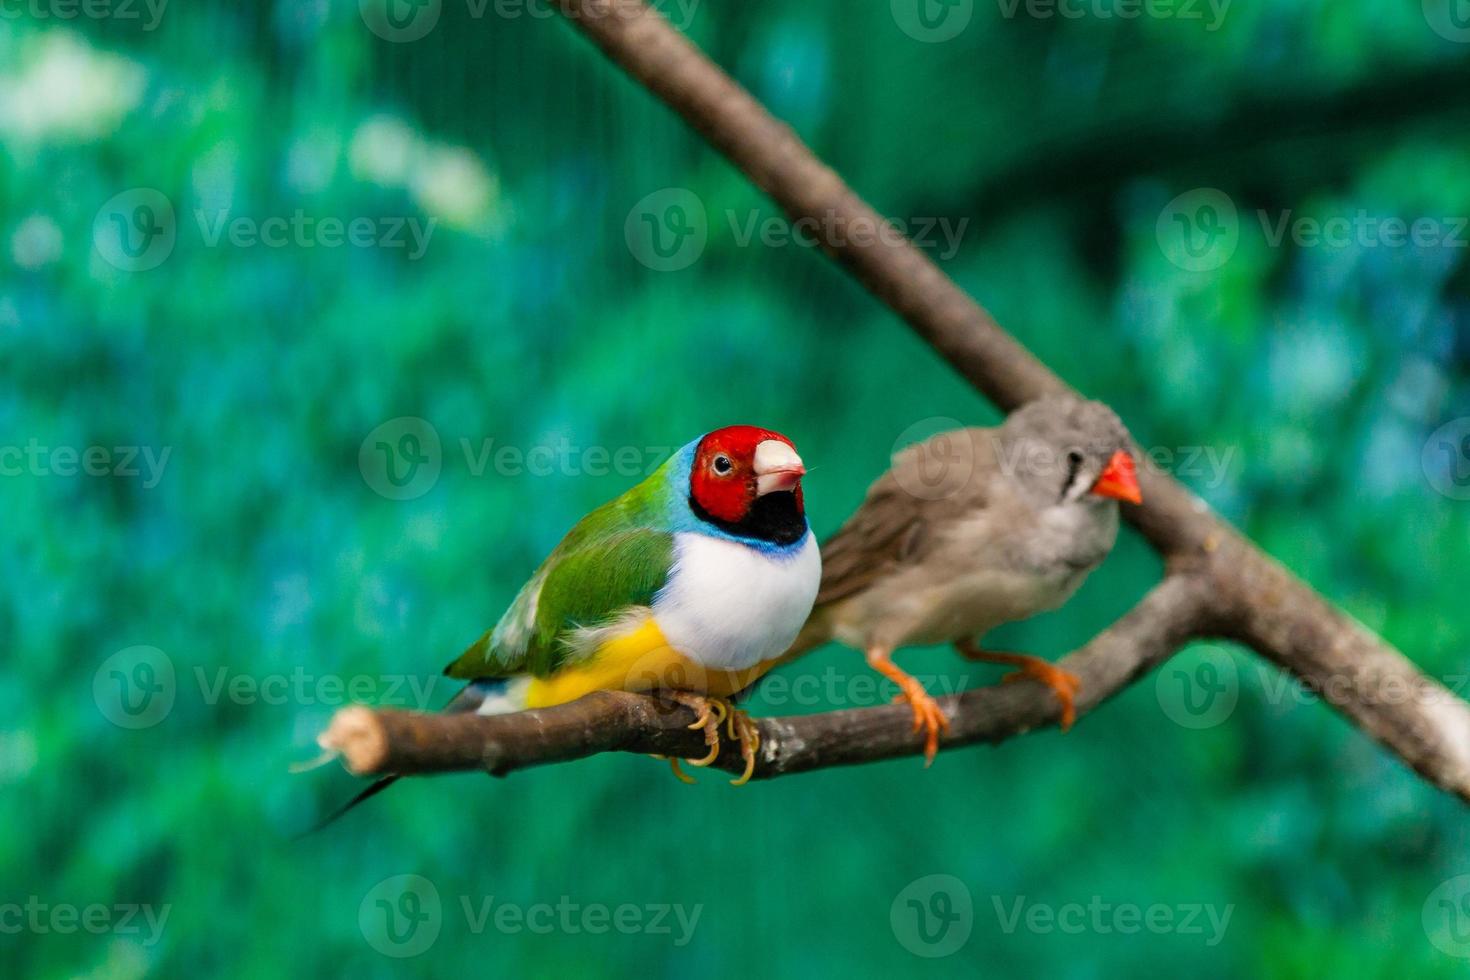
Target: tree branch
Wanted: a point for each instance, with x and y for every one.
(384, 742)
(1218, 583)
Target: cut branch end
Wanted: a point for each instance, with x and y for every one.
(358, 736)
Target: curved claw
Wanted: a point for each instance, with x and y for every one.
(934, 722)
(928, 718)
(750, 742)
(1063, 684)
(712, 712)
(679, 773)
(714, 751)
(712, 706)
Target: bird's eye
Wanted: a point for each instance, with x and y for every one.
(1074, 466)
(723, 464)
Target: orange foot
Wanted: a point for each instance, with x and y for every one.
(928, 716)
(1063, 683)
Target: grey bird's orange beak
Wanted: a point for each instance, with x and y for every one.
(1119, 480)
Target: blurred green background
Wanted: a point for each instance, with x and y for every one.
(1136, 196)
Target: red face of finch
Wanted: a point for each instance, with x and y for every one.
(736, 466)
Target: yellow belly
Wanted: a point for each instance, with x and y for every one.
(639, 660)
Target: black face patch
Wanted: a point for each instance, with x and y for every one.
(774, 517)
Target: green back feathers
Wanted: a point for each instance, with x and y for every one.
(616, 558)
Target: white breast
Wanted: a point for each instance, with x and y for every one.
(729, 606)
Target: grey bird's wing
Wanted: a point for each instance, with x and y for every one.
(946, 477)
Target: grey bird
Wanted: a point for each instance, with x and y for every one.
(970, 529)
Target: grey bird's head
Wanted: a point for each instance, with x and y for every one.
(1061, 449)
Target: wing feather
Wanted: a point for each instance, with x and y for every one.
(605, 567)
(930, 483)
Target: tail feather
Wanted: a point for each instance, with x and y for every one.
(486, 697)
(377, 787)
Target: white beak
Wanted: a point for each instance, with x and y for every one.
(777, 467)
